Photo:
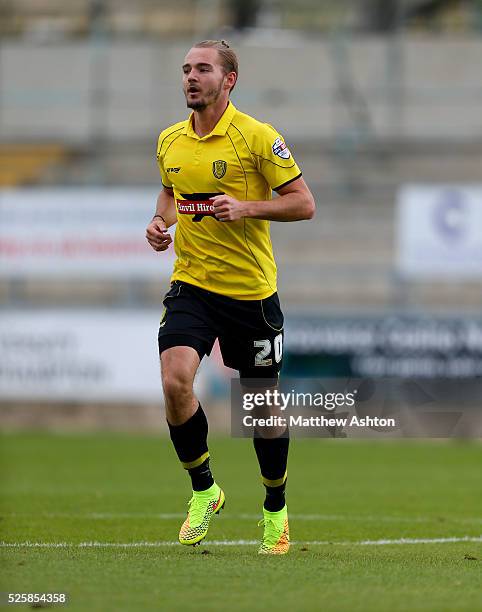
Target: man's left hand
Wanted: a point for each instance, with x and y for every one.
(227, 208)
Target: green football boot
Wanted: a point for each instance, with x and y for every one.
(276, 536)
(202, 506)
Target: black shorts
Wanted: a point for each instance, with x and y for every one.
(250, 332)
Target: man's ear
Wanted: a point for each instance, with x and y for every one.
(231, 79)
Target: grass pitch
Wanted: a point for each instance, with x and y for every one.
(376, 526)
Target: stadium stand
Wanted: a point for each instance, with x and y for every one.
(44, 19)
(26, 164)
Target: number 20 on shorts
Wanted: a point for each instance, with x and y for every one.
(265, 346)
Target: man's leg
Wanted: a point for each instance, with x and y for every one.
(187, 422)
(186, 334)
(188, 428)
(271, 445)
(256, 351)
(272, 454)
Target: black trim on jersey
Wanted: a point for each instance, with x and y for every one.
(274, 163)
(245, 141)
(264, 158)
(159, 156)
(254, 256)
(244, 225)
(167, 186)
(167, 136)
(240, 163)
(287, 182)
(170, 144)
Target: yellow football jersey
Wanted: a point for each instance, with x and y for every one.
(245, 159)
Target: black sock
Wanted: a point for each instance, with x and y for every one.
(275, 498)
(190, 442)
(272, 456)
(201, 477)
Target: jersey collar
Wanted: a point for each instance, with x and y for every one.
(220, 128)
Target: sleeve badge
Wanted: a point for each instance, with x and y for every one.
(280, 149)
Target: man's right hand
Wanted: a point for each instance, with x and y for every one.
(157, 235)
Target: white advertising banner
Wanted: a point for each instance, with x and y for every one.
(439, 232)
(75, 232)
(80, 355)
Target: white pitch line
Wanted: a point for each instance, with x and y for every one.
(166, 516)
(161, 544)
(400, 541)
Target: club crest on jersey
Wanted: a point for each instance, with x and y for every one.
(280, 149)
(219, 168)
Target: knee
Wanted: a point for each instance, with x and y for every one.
(175, 388)
(177, 384)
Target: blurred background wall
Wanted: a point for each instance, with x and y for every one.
(380, 102)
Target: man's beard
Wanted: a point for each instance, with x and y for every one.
(211, 96)
(197, 106)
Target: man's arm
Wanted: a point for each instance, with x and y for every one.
(165, 216)
(295, 203)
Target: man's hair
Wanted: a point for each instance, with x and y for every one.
(229, 59)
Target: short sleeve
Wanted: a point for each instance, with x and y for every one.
(274, 158)
(160, 162)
